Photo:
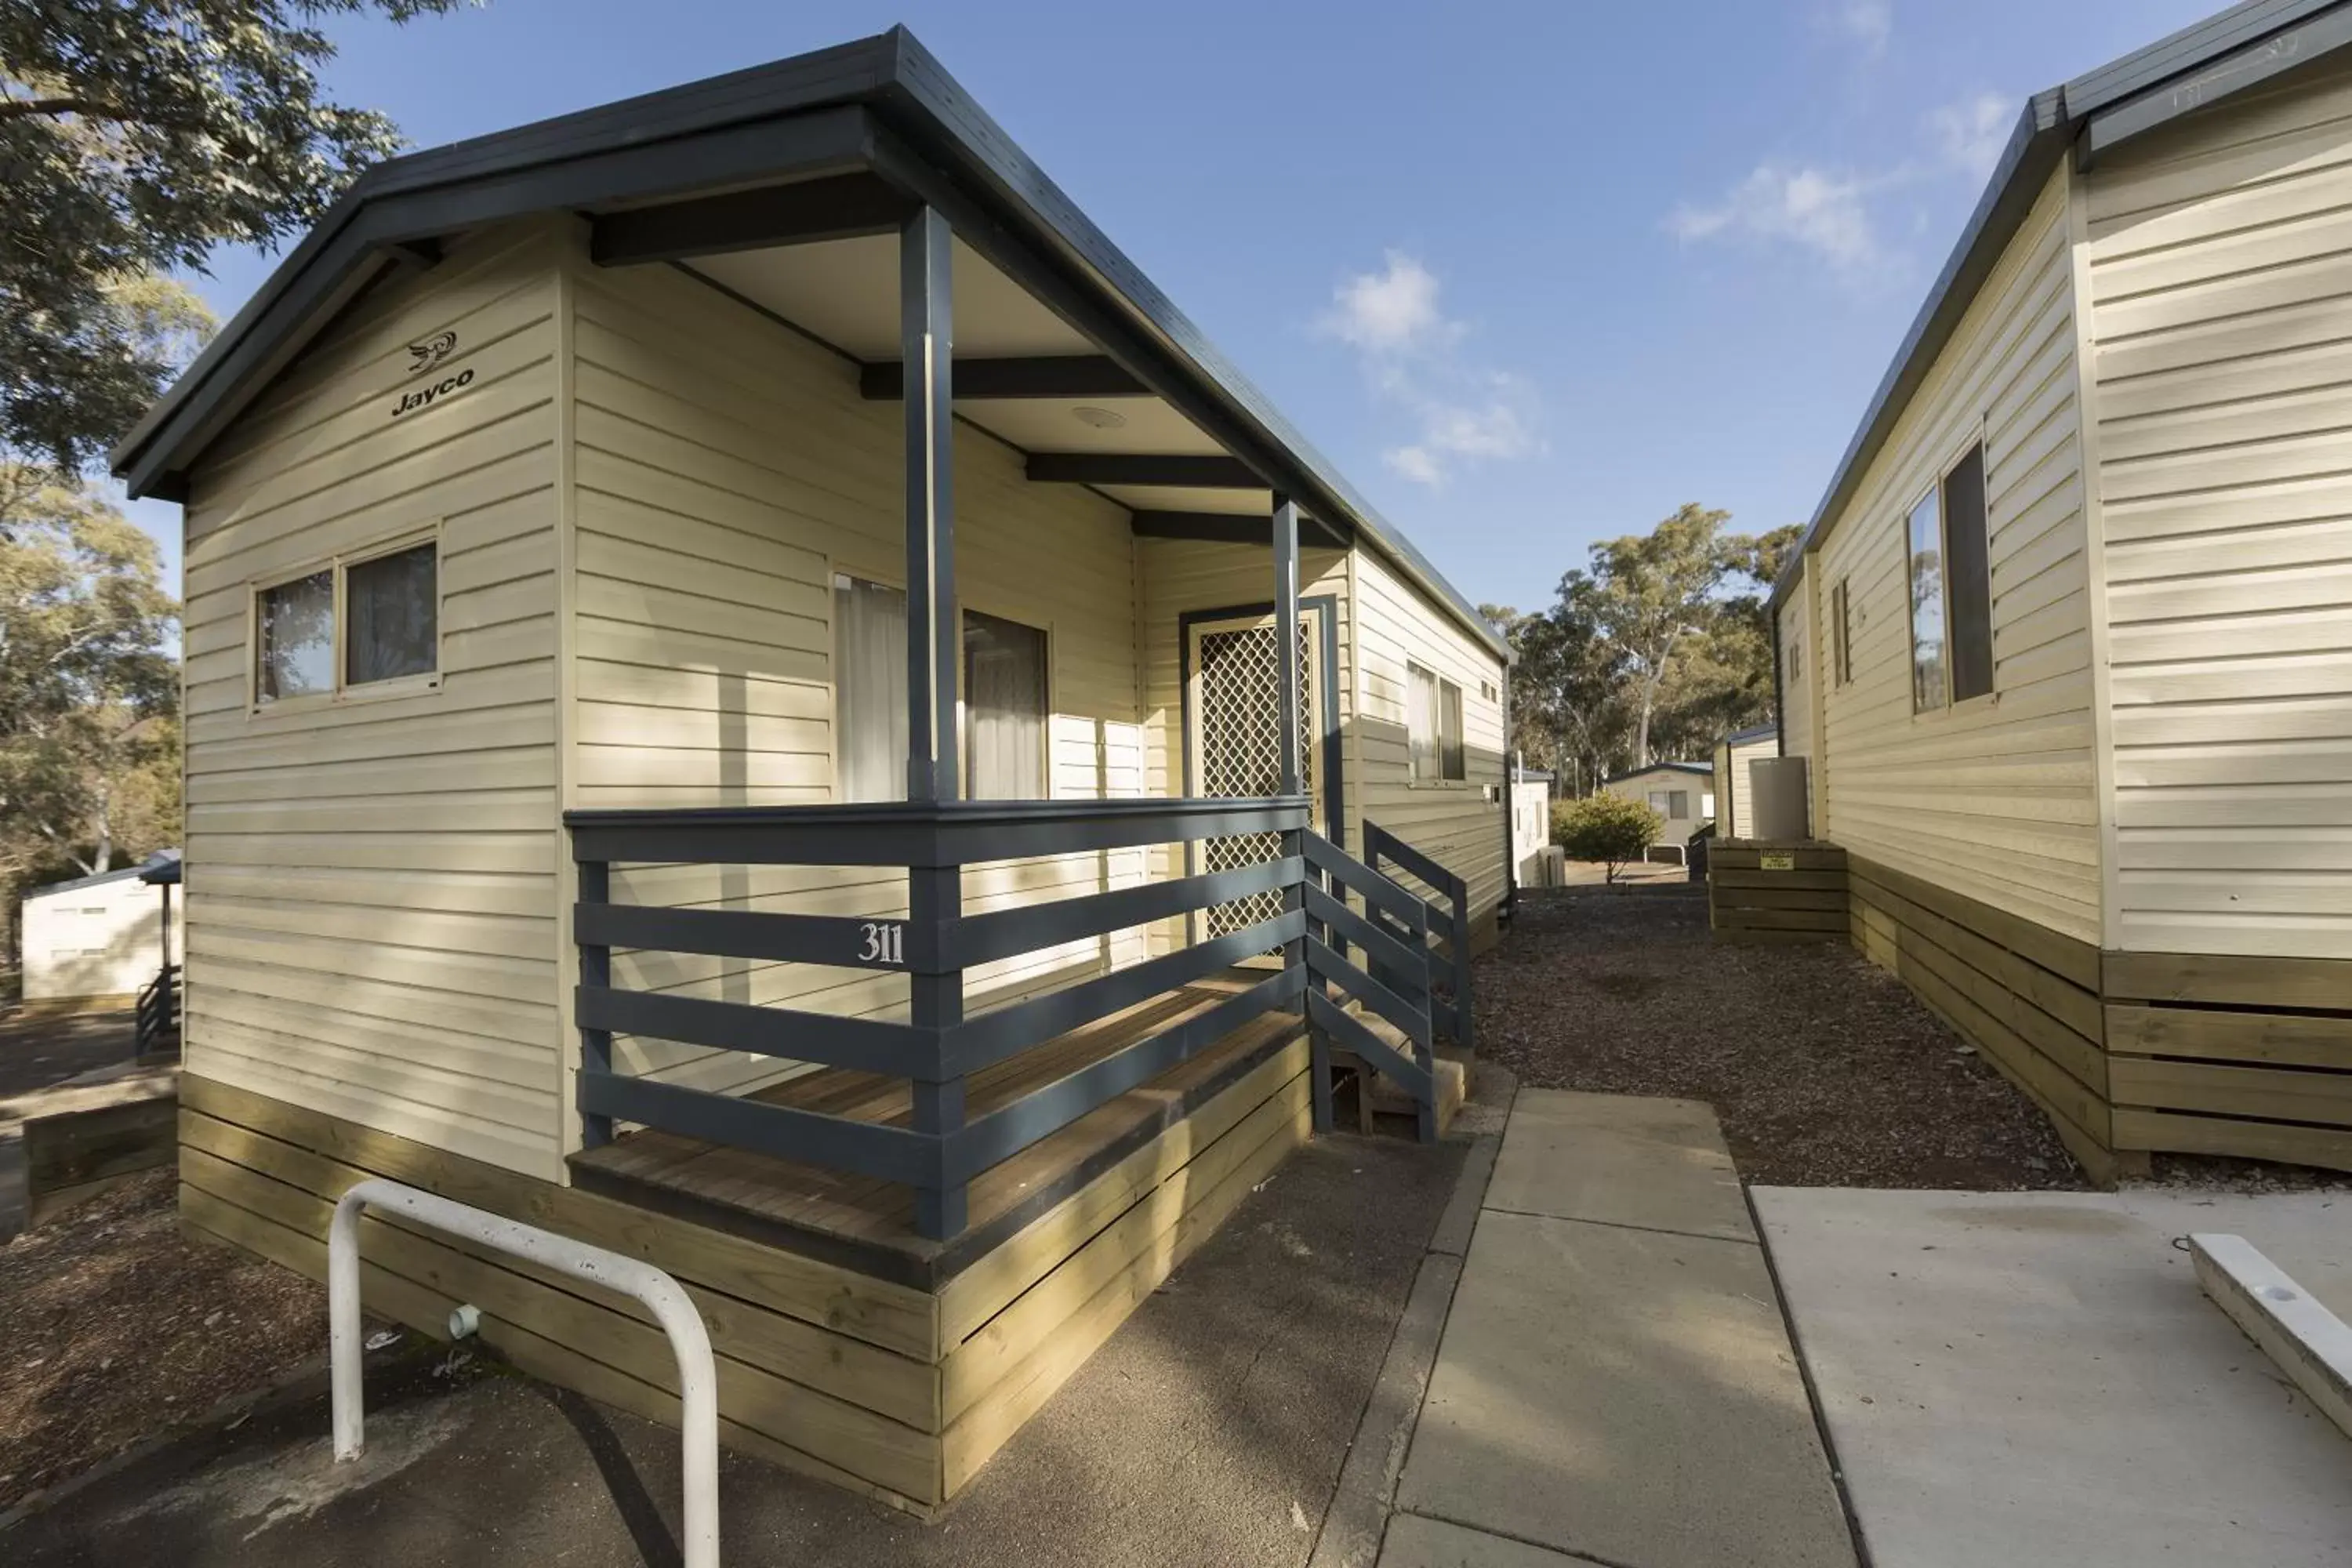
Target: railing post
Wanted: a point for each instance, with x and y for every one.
(596, 877)
(1425, 1054)
(934, 899)
(1459, 892)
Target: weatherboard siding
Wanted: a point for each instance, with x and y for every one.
(370, 882)
(1996, 799)
(726, 467)
(2219, 252)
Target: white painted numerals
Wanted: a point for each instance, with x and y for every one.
(885, 942)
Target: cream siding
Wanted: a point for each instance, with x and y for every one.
(726, 467)
(1995, 798)
(1697, 786)
(1460, 824)
(1735, 788)
(371, 886)
(2218, 252)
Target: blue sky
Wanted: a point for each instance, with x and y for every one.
(1532, 275)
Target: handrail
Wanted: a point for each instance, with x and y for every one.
(1457, 1009)
(698, 1375)
(158, 1008)
(1393, 931)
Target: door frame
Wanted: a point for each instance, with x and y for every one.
(1326, 608)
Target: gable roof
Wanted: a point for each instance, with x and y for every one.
(881, 99)
(1759, 732)
(1702, 770)
(2200, 65)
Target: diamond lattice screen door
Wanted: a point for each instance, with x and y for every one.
(1234, 717)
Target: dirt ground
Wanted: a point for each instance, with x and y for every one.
(1825, 1071)
(113, 1330)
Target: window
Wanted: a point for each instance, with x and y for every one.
(1951, 589)
(1841, 636)
(382, 611)
(1434, 726)
(869, 690)
(1706, 805)
(1004, 709)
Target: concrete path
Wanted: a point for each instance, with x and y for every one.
(2036, 1377)
(1615, 1383)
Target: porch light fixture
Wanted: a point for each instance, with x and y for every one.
(1100, 418)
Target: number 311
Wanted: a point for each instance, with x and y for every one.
(884, 943)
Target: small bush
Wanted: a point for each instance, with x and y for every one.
(1606, 827)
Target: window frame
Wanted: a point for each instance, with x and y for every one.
(1440, 688)
(338, 567)
(837, 566)
(1950, 463)
(1841, 631)
(1044, 629)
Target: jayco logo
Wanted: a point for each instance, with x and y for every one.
(448, 386)
(431, 351)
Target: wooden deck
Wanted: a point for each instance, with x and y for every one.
(868, 1225)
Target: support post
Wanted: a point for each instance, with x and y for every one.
(935, 899)
(1292, 777)
(934, 649)
(595, 969)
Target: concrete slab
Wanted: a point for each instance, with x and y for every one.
(1620, 1159)
(1417, 1543)
(1624, 1395)
(2036, 1377)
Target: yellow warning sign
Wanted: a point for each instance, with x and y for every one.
(1778, 859)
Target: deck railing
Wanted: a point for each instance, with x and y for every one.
(936, 1047)
(1451, 1004)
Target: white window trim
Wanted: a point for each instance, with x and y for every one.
(339, 567)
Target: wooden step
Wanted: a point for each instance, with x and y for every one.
(1389, 1098)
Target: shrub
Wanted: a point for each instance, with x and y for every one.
(1606, 827)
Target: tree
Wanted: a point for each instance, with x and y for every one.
(1608, 828)
(88, 685)
(137, 135)
(1651, 591)
(1565, 705)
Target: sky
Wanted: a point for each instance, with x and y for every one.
(1531, 275)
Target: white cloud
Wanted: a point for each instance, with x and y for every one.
(1389, 311)
(1409, 350)
(1824, 212)
(1972, 133)
(1870, 22)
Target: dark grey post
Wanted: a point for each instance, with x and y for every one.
(934, 650)
(595, 969)
(1292, 775)
(934, 898)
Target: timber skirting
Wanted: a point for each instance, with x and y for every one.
(896, 1392)
(2128, 1053)
(1760, 893)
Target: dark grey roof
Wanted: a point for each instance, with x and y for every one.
(1704, 770)
(119, 874)
(1761, 733)
(162, 868)
(2198, 66)
(623, 149)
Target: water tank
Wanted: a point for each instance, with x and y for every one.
(1779, 808)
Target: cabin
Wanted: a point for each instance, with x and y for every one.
(1681, 793)
(1735, 788)
(757, 695)
(2064, 646)
(1531, 845)
(90, 942)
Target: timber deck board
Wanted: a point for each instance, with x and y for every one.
(867, 1224)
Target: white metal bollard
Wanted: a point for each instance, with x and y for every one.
(697, 1377)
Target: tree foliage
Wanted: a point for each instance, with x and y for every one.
(1656, 648)
(136, 135)
(1608, 828)
(88, 683)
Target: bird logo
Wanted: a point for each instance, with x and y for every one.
(432, 352)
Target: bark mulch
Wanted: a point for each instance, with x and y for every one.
(113, 1329)
(1824, 1069)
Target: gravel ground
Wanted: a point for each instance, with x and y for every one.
(113, 1330)
(1825, 1071)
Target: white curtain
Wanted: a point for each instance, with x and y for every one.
(1421, 719)
(869, 705)
(1004, 709)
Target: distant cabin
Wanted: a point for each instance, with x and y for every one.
(92, 941)
(2065, 646)
(1734, 788)
(1681, 793)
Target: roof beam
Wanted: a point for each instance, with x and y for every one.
(840, 207)
(1184, 470)
(1043, 375)
(1226, 528)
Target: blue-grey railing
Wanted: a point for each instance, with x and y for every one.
(158, 1015)
(1452, 1006)
(1392, 932)
(936, 1047)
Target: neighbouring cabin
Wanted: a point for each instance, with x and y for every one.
(1681, 793)
(1735, 786)
(92, 941)
(2063, 647)
(757, 695)
(1531, 827)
